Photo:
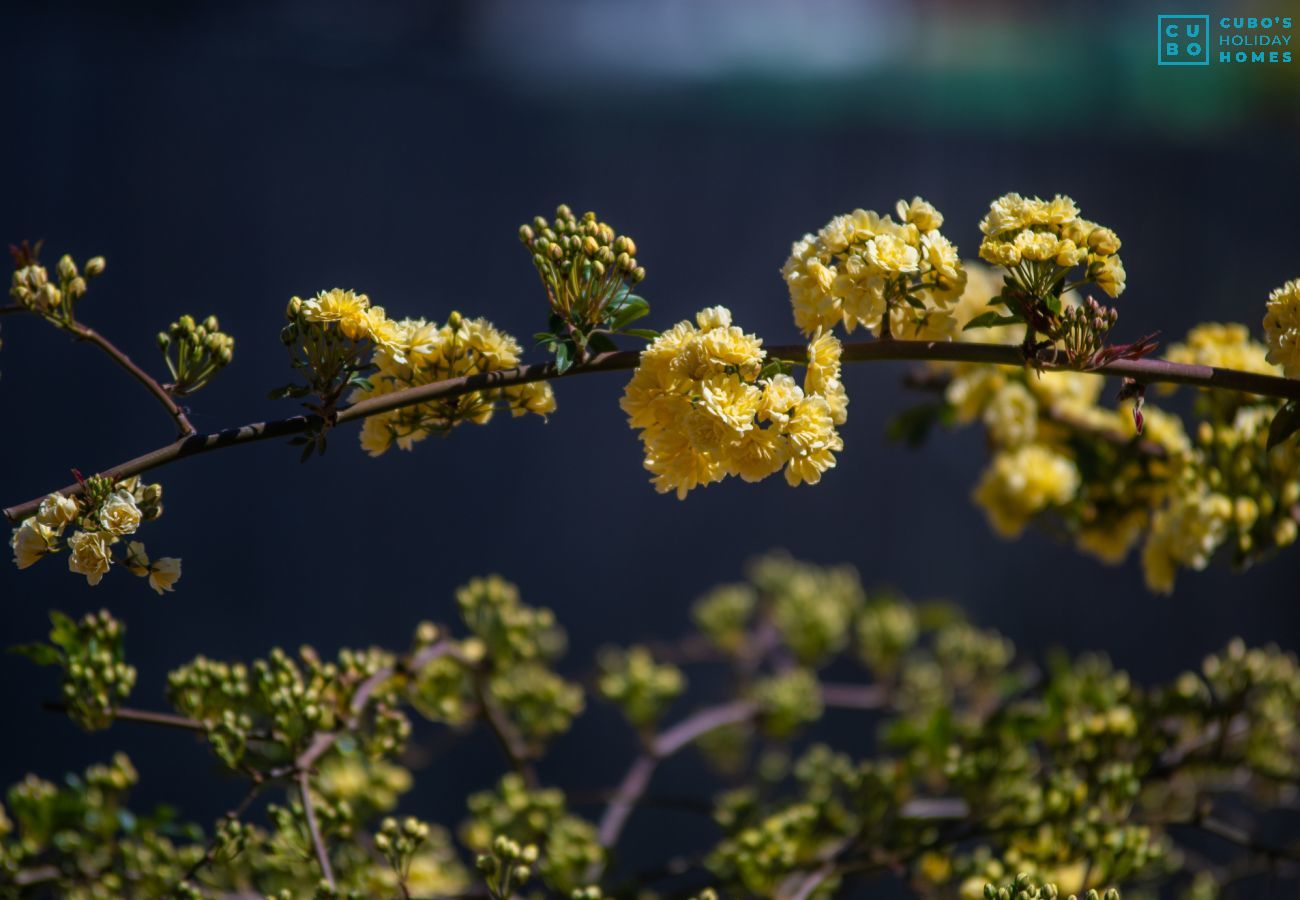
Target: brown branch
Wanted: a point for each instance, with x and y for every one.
(86, 333)
(317, 842)
(638, 777)
(152, 385)
(511, 744)
(1143, 370)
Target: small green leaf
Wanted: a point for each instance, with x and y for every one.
(993, 319)
(601, 343)
(64, 630)
(564, 355)
(627, 312)
(648, 333)
(1053, 302)
(41, 654)
(1285, 423)
(289, 390)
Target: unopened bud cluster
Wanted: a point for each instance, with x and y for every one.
(54, 299)
(194, 352)
(583, 263)
(1083, 330)
(91, 653)
(641, 687)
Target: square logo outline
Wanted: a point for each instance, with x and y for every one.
(1160, 40)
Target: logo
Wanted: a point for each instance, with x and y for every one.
(1187, 41)
(1183, 40)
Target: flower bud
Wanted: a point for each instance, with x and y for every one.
(95, 266)
(67, 268)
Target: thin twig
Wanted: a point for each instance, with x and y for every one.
(317, 842)
(211, 854)
(511, 744)
(86, 333)
(1143, 370)
(638, 777)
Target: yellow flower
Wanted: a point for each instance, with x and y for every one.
(1000, 253)
(713, 317)
(890, 254)
(91, 554)
(31, 540)
(1226, 346)
(811, 432)
(1020, 483)
(730, 401)
(1110, 542)
(136, 559)
(1109, 274)
(119, 514)
(704, 413)
(1036, 245)
(920, 213)
(1012, 415)
(346, 308)
(1103, 241)
(164, 573)
(760, 452)
(824, 353)
(377, 435)
(1282, 328)
(1008, 212)
(942, 256)
(535, 397)
(780, 395)
(982, 285)
(1186, 533)
(56, 511)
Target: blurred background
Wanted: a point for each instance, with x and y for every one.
(227, 156)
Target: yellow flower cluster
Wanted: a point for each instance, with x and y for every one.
(1023, 482)
(1185, 533)
(709, 404)
(1223, 345)
(1058, 453)
(1238, 494)
(1282, 328)
(100, 522)
(865, 269)
(1040, 241)
(416, 352)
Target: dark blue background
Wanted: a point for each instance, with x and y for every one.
(225, 157)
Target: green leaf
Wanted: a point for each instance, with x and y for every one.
(564, 355)
(1053, 302)
(648, 333)
(1285, 423)
(289, 390)
(64, 630)
(627, 312)
(993, 319)
(41, 654)
(364, 383)
(601, 343)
